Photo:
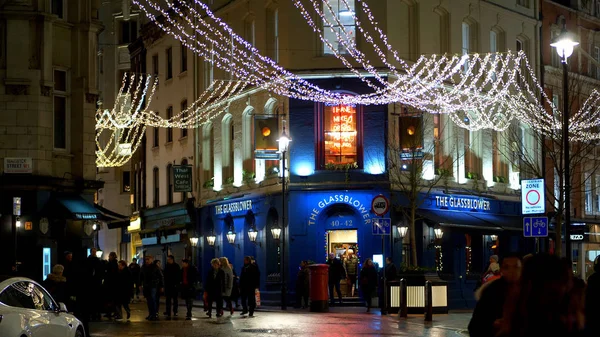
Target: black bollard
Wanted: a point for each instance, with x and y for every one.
(403, 299)
(428, 302)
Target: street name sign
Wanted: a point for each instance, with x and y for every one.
(382, 226)
(532, 196)
(535, 226)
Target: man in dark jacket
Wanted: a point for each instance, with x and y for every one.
(93, 276)
(134, 269)
(110, 285)
(215, 283)
(490, 306)
(189, 277)
(172, 279)
(336, 274)
(152, 285)
(123, 290)
(249, 282)
(592, 301)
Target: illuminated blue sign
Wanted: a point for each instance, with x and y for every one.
(462, 203)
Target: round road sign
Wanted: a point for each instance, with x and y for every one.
(532, 197)
(380, 205)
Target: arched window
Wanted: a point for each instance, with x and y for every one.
(169, 184)
(156, 185)
(443, 29)
(227, 154)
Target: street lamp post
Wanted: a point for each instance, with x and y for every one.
(284, 142)
(564, 44)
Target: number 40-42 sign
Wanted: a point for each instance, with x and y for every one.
(532, 196)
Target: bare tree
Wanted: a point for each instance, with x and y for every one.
(417, 163)
(541, 154)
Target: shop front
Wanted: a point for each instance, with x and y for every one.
(585, 241)
(470, 230)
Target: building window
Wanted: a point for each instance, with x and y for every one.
(61, 110)
(136, 187)
(493, 48)
(156, 182)
(169, 63)
(128, 31)
(589, 203)
(466, 43)
(155, 136)
(250, 30)
(169, 130)
(126, 182)
(58, 8)
(597, 8)
(184, 57)
(556, 102)
(209, 72)
(597, 192)
(273, 34)
(208, 158)
(331, 29)
(554, 55)
(184, 130)
(523, 3)
(141, 201)
(340, 134)
(519, 47)
(595, 69)
(155, 64)
(169, 184)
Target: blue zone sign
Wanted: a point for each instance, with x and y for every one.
(382, 226)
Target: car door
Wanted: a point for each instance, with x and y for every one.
(57, 321)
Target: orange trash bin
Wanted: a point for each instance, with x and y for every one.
(319, 290)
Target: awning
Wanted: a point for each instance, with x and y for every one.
(459, 219)
(75, 207)
(113, 220)
(504, 221)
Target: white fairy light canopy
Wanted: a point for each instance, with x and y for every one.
(490, 90)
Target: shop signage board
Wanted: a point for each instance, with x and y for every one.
(532, 196)
(382, 226)
(535, 226)
(380, 205)
(576, 237)
(182, 178)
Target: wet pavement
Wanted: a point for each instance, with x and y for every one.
(340, 321)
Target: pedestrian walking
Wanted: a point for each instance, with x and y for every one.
(249, 282)
(351, 265)
(110, 285)
(302, 285)
(134, 269)
(161, 291)
(189, 277)
(152, 285)
(172, 279)
(492, 297)
(215, 283)
(227, 283)
(336, 274)
(92, 278)
(123, 291)
(368, 282)
(235, 291)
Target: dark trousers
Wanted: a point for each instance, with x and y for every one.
(152, 298)
(302, 298)
(172, 297)
(120, 306)
(337, 289)
(368, 295)
(219, 300)
(136, 291)
(248, 301)
(227, 300)
(189, 295)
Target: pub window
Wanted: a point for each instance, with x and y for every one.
(340, 134)
(155, 180)
(155, 136)
(128, 31)
(183, 51)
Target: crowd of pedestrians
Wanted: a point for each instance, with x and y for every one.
(537, 295)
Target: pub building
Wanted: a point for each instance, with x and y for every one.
(337, 164)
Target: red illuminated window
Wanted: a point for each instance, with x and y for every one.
(340, 134)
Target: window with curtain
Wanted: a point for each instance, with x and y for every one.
(466, 43)
(344, 26)
(340, 134)
(156, 184)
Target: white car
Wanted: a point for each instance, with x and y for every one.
(28, 310)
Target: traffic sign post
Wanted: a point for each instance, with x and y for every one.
(535, 226)
(380, 206)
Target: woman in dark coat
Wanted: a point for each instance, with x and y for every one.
(123, 291)
(302, 285)
(368, 282)
(215, 283)
(56, 284)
